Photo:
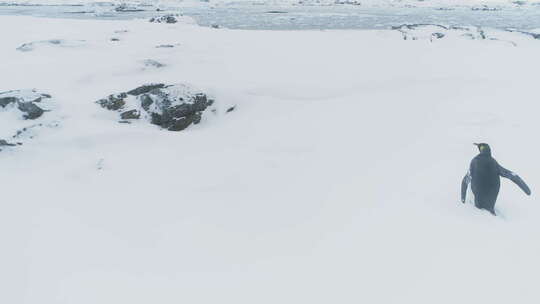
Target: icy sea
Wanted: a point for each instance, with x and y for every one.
(243, 16)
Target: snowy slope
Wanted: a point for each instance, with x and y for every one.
(335, 180)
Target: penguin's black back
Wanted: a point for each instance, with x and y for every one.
(485, 181)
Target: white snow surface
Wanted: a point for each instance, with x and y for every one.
(335, 180)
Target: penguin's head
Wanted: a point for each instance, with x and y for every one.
(483, 148)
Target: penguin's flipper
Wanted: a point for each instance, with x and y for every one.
(515, 178)
(464, 184)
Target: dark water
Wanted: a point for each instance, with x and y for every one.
(298, 17)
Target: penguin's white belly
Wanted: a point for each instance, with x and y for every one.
(470, 196)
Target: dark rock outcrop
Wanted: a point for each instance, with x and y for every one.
(172, 107)
(4, 101)
(30, 110)
(26, 101)
(4, 143)
(146, 88)
(438, 35)
(131, 114)
(114, 102)
(170, 18)
(174, 110)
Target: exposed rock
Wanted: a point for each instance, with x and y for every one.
(172, 107)
(131, 114)
(124, 8)
(172, 123)
(438, 35)
(4, 143)
(229, 110)
(146, 102)
(115, 39)
(481, 33)
(25, 110)
(114, 102)
(4, 101)
(164, 46)
(30, 109)
(170, 18)
(25, 100)
(146, 88)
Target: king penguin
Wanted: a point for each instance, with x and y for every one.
(484, 176)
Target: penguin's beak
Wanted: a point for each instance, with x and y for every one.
(476, 144)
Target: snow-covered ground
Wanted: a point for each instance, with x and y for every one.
(335, 179)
